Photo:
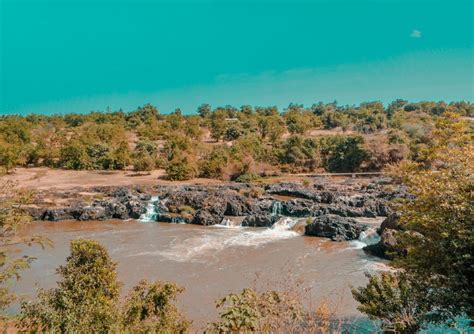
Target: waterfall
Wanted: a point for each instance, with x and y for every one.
(226, 222)
(276, 208)
(367, 237)
(284, 224)
(178, 220)
(151, 212)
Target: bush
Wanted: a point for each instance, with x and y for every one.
(342, 153)
(86, 297)
(392, 299)
(213, 165)
(149, 308)
(181, 168)
(143, 162)
(248, 178)
(86, 300)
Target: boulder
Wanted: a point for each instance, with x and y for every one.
(135, 208)
(387, 247)
(92, 213)
(57, 214)
(335, 227)
(297, 208)
(260, 220)
(293, 189)
(391, 222)
(203, 217)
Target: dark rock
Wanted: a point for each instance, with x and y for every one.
(203, 217)
(293, 189)
(260, 220)
(58, 214)
(335, 227)
(115, 209)
(391, 222)
(387, 247)
(135, 208)
(92, 213)
(297, 208)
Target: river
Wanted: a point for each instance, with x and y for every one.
(210, 261)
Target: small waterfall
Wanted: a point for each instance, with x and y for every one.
(284, 224)
(277, 208)
(178, 220)
(367, 237)
(151, 210)
(227, 223)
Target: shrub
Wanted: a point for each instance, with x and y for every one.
(248, 177)
(149, 308)
(212, 166)
(181, 168)
(392, 299)
(143, 162)
(86, 297)
(342, 153)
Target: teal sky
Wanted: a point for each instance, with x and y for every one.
(82, 55)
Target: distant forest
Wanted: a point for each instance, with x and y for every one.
(229, 143)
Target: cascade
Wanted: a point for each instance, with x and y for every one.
(151, 210)
(276, 208)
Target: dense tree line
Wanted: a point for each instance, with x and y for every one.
(227, 142)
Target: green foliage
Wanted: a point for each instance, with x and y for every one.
(102, 140)
(271, 127)
(149, 308)
(13, 218)
(213, 165)
(86, 298)
(142, 161)
(395, 300)
(11, 155)
(248, 178)
(269, 312)
(342, 153)
(437, 261)
(300, 152)
(251, 311)
(181, 168)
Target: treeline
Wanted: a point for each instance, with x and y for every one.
(227, 142)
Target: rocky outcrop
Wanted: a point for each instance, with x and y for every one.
(298, 208)
(388, 246)
(335, 227)
(331, 206)
(123, 203)
(260, 220)
(294, 190)
(203, 217)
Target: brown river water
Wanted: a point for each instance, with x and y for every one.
(210, 262)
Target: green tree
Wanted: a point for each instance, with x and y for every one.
(149, 308)
(395, 300)
(213, 165)
(181, 167)
(342, 153)
(439, 218)
(204, 110)
(13, 218)
(86, 299)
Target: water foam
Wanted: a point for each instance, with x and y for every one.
(213, 241)
(151, 211)
(367, 237)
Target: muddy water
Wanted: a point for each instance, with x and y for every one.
(209, 261)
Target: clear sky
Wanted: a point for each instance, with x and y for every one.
(82, 55)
